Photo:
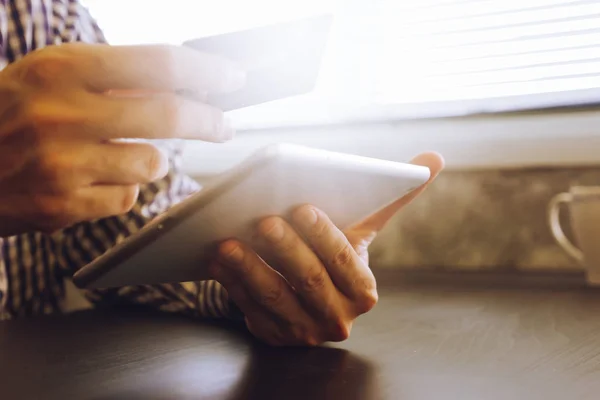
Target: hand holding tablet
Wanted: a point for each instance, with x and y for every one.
(176, 246)
(307, 281)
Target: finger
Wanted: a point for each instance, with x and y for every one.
(347, 270)
(300, 266)
(158, 116)
(259, 321)
(200, 97)
(110, 163)
(70, 164)
(154, 67)
(118, 163)
(101, 201)
(435, 163)
(267, 287)
(377, 221)
(53, 212)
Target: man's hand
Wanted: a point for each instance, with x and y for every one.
(313, 280)
(62, 109)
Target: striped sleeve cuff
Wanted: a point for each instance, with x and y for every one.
(213, 301)
(204, 299)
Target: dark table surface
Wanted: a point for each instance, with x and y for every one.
(459, 337)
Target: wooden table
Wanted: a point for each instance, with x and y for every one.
(459, 337)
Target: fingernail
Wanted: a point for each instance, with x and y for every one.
(275, 232)
(232, 252)
(308, 216)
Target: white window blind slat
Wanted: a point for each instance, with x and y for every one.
(456, 50)
(536, 16)
(530, 47)
(455, 10)
(401, 35)
(522, 60)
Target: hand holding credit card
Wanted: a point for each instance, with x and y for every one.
(280, 60)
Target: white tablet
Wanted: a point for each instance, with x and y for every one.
(175, 246)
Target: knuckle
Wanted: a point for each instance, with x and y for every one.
(343, 257)
(314, 281)
(368, 300)
(301, 335)
(273, 295)
(94, 59)
(339, 330)
(44, 66)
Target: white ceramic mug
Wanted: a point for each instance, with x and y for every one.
(584, 211)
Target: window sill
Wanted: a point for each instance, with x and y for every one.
(521, 140)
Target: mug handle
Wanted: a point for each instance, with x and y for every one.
(554, 220)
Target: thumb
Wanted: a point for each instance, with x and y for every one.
(376, 222)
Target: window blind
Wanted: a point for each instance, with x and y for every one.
(453, 50)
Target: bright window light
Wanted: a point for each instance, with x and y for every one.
(390, 59)
(175, 21)
(458, 50)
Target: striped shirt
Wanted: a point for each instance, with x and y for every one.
(35, 267)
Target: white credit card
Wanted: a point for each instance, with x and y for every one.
(281, 60)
